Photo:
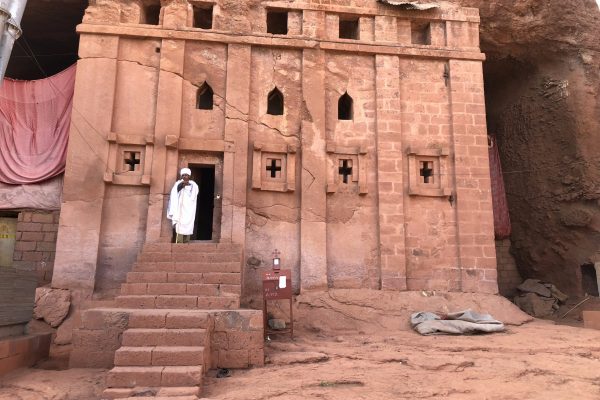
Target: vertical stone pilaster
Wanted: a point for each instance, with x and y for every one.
(390, 181)
(313, 226)
(474, 214)
(168, 123)
(235, 165)
(83, 190)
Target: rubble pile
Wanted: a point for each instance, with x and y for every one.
(539, 299)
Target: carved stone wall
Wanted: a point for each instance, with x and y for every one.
(370, 169)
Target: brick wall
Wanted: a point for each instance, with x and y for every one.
(36, 243)
(23, 351)
(508, 274)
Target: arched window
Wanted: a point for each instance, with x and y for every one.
(275, 102)
(345, 107)
(204, 99)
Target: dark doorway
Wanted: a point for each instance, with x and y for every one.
(589, 281)
(204, 176)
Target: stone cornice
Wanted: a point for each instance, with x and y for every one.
(292, 42)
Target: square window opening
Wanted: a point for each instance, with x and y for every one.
(349, 28)
(151, 14)
(277, 22)
(420, 32)
(203, 16)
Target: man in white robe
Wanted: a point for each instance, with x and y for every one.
(182, 206)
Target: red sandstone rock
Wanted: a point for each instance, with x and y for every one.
(52, 305)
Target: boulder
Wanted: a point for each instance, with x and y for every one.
(534, 286)
(535, 305)
(51, 305)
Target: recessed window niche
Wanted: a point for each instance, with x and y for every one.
(277, 22)
(349, 28)
(203, 16)
(420, 32)
(204, 98)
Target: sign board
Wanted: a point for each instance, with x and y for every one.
(277, 285)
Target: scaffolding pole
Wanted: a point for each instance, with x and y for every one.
(11, 13)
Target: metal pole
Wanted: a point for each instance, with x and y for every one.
(11, 13)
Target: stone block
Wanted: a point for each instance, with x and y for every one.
(129, 377)
(98, 319)
(29, 227)
(244, 340)
(147, 319)
(42, 218)
(181, 320)
(203, 289)
(233, 358)
(52, 305)
(166, 288)
(178, 355)
(591, 319)
(182, 376)
(186, 302)
(134, 356)
(164, 337)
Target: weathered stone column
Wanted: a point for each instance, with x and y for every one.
(390, 174)
(390, 161)
(168, 123)
(474, 213)
(83, 191)
(235, 164)
(313, 226)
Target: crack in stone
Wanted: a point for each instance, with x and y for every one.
(312, 176)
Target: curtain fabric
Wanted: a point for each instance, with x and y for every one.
(34, 127)
(502, 225)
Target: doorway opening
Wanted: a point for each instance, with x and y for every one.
(204, 176)
(589, 279)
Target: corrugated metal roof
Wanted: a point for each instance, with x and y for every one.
(410, 5)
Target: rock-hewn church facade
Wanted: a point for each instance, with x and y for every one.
(348, 135)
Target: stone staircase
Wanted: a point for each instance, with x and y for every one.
(165, 348)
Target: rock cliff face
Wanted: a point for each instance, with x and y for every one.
(542, 93)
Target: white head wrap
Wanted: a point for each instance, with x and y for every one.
(185, 171)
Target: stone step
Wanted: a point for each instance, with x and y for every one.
(179, 302)
(227, 278)
(194, 289)
(184, 255)
(162, 398)
(172, 376)
(144, 337)
(193, 247)
(160, 356)
(168, 318)
(187, 266)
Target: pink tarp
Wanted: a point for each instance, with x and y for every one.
(34, 127)
(502, 225)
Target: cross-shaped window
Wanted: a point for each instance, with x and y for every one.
(345, 169)
(426, 171)
(274, 167)
(132, 158)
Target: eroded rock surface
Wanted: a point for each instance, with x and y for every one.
(542, 94)
(52, 305)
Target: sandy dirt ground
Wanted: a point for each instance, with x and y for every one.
(537, 360)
